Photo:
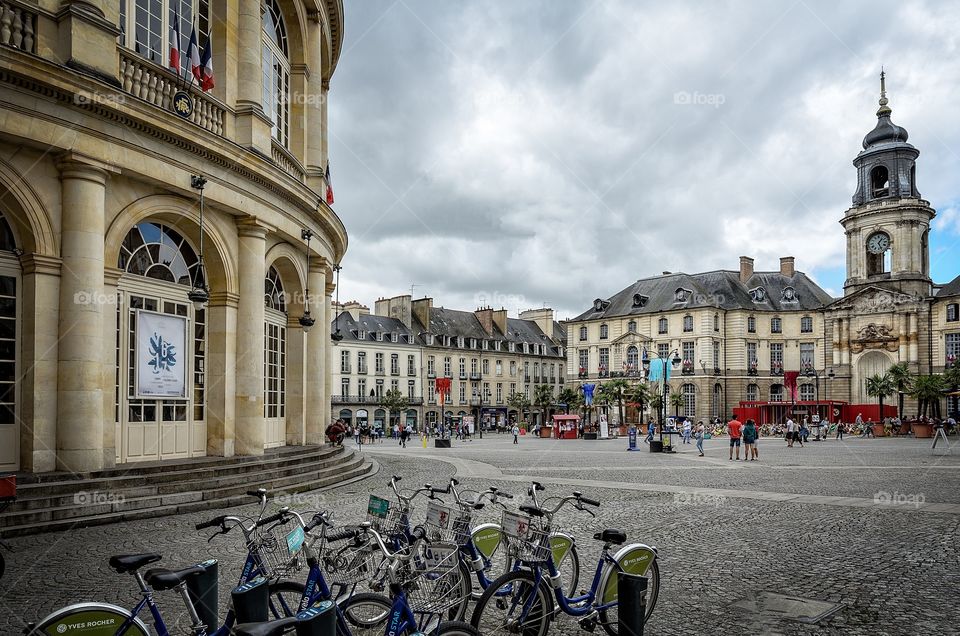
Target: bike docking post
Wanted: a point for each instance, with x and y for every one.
(631, 603)
(632, 438)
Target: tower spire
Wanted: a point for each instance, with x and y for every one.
(884, 110)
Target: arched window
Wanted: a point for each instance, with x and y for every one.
(604, 332)
(879, 182)
(7, 242)
(687, 324)
(662, 325)
(776, 393)
(632, 326)
(583, 333)
(276, 72)
(157, 251)
(776, 325)
(689, 392)
(807, 393)
(632, 358)
(753, 393)
(273, 295)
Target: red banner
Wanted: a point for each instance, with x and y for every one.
(442, 386)
(790, 381)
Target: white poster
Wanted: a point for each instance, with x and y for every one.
(604, 427)
(161, 355)
(468, 422)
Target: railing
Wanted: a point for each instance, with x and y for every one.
(394, 371)
(285, 159)
(18, 26)
(475, 377)
(362, 369)
(157, 85)
(354, 399)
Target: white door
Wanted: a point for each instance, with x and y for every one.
(274, 378)
(9, 370)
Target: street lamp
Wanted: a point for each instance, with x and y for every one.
(306, 320)
(198, 293)
(675, 361)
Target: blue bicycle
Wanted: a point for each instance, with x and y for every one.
(521, 602)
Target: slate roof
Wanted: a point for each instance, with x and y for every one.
(950, 289)
(721, 289)
(370, 324)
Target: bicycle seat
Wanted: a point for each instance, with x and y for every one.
(533, 511)
(161, 579)
(611, 535)
(272, 628)
(124, 563)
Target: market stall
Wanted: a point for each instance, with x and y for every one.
(565, 426)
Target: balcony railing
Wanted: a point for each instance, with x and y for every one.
(394, 371)
(475, 377)
(285, 159)
(381, 372)
(153, 83)
(431, 374)
(18, 27)
(354, 399)
(362, 369)
(463, 375)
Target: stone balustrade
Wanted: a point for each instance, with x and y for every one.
(286, 160)
(18, 26)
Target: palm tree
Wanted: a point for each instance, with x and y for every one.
(569, 398)
(639, 393)
(902, 378)
(617, 391)
(543, 398)
(880, 386)
(676, 401)
(928, 389)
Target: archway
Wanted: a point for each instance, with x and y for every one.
(347, 416)
(362, 417)
(411, 418)
(869, 364)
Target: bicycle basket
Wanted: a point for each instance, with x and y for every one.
(346, 563)
(444, 525)
(535, 547)
(433, 579)
(279, 547)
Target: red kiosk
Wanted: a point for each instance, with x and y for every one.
(565, 426)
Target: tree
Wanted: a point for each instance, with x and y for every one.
(927, 389)
(569, 398)
(676, 401)
(639, 393)
(394, 402)
(902, 379)
(520, 402)
(880, 386)
(543, 398)
(656, 403)
(617, 391)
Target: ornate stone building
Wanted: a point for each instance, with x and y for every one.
(100, 229)
(737, 335)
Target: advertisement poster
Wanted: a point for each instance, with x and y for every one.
(468, 423)
(161, 355)
(604, 427)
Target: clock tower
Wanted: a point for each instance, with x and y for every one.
(888, 224)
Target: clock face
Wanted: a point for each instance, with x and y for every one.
(878, 243)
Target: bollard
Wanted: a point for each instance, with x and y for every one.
(631, 603)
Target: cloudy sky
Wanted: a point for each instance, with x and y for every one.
(529, 152)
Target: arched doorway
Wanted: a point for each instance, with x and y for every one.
(870, 363)
(9, 349)
(362, 417)
(380, 419)
(159, 421)
(347, 416)
(411, 418)
(274, 360)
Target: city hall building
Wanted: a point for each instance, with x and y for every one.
(737, 333)
(157, 295)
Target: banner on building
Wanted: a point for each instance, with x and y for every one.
(161, 355)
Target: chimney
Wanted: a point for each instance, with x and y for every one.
(500, 320)
(485, 316)
(398, 307)
(420, 309)
(355, 309)
(746, 268)
(543, 318)
(786, 266)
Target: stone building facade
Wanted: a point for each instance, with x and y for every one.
(486, 355)
(738, 332)
(101, 227)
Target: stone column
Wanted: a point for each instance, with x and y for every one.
(296, 375)
(221, 374)
(80, 416)
(913, 321)
(315, 367)
(845, 341)
(326, 407)
(40, 301)
(836, 341)
(903, 327)
(253, 126)
(250, 428)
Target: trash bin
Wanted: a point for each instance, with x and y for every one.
(656, 446)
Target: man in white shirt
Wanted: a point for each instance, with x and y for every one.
(791, 432)
(687, 429)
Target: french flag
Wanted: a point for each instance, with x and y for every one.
(206, 66)
(175, 41)
(193, 56)
(326, 177)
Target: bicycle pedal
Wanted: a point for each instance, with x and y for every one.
(588, 623)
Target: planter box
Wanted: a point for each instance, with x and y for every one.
(922, 430)
(546, 431)
(878, 430)
(589, 436)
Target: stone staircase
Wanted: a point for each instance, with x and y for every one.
(53, 501)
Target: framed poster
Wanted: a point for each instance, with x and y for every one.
(161, 354)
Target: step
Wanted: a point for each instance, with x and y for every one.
(144, 508)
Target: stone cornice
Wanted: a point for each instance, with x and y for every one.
(111, 275)
(40, 264)
(224, 299)
(254, 227)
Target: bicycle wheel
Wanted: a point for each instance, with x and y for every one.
(285, 598)
(366, 614)
(569, 571)
(459, 611)
(514, 604)
(456, 628)
(609, 618)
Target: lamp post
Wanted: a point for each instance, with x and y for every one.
(199, 295)
(830, 375)
(336, 336)
(675, 361)
(306, 320)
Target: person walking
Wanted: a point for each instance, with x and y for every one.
(649, 437)
(699, 435)
(802, 433)
(864, 429)
(734, 428)
(687, 429)
(750, 441)
(791, 432)
(516, 434)
(840, 427)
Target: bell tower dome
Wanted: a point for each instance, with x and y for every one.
(887, 227)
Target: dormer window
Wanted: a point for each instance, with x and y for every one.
(378, 335)
(512, 347)
(473, 343)
(789, 295)
(429, 339)
(361, 334)
(681, 295)
(599, 305)
(394, 337)
(486, 345)
(758, 294)
(639, 300)
(460, 341)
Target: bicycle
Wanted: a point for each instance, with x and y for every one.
(520, 601)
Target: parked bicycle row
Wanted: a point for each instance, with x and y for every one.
(404, 570)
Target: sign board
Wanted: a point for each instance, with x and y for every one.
(515, 525)
(437, 515)
(182, 104)
(378, 507)
(632, 438)
(604, 427)
(161, 354)
(468, 423)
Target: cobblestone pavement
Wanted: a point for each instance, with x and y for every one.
(894, 569)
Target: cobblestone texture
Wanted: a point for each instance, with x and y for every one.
(894, 570)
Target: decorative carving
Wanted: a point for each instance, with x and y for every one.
(875, 336)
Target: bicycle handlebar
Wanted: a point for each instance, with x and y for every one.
(216, 521)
